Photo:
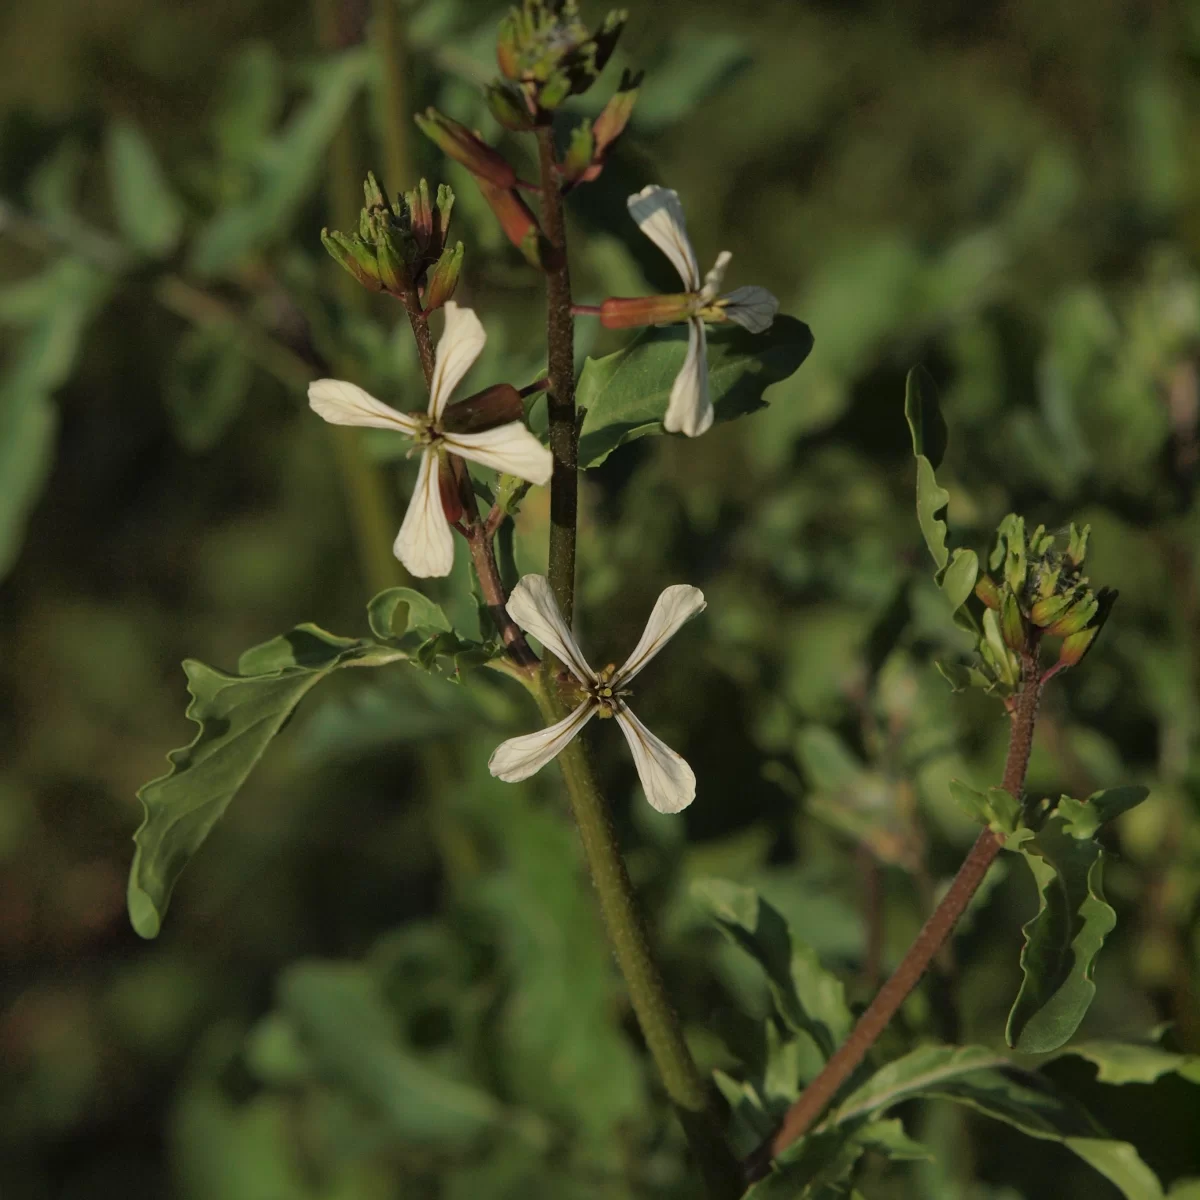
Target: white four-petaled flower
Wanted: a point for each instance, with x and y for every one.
(668, 781)
(425, 544)
(659, 215)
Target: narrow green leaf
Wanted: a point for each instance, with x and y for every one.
(288, 167)
(808, 998)
(1063, 939)
(238, 716)
(932, 501)
(982, 1080)
(55, 309)
(149, 214)
(924, 416)
(625, 394)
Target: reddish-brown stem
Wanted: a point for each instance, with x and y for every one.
(560, 362)
(586, 310)
(814, 1099)
(478, 534)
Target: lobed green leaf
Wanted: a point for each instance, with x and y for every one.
(238, 716)
(1072, 921)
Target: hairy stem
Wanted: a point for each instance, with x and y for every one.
(560, 358)
(694, 1101)
(933, 934)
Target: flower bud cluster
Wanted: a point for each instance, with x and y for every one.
(1037, 589)
(401, 247)
(546, 54)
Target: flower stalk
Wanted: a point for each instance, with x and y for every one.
(694, 1101)
(878, 1015)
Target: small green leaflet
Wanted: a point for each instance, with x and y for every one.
(149, 214)
(625, 394)
(286, 165)
(956, 573)
(238, 716)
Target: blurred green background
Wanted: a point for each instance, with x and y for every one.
(1007, 192)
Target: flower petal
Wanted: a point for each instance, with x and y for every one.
(533, 607)
(520, 757)
(690, 411)
(667, 780)
(659, 215)
(672, 610)
(342, 403)
(753, 308)
(510, 448)
(712, 281)
(461, 343)
(425, 544)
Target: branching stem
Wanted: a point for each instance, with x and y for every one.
(814, 1099)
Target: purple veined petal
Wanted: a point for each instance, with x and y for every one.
(677, 605)
(462, 341)
(342, 403)
(533, 607)
(425, 543)
(689, 410)
(520, 757)
(509, 448)
(669, 783)
(753, 308)
(659, 215)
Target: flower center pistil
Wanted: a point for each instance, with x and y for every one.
(608, 696)
(428, 432)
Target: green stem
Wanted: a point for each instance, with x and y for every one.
(560, 399)
(694, 1101)
(813, 1100)
(387, 33)
(370, 507)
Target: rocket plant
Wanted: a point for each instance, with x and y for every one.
(798, 1119)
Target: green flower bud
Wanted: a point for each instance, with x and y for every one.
(443, 278)
(355, 255)
(988, 592)
(1078, 616)
(545, 47)
(507, 104)
(1047, 610)
(1012, 624)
